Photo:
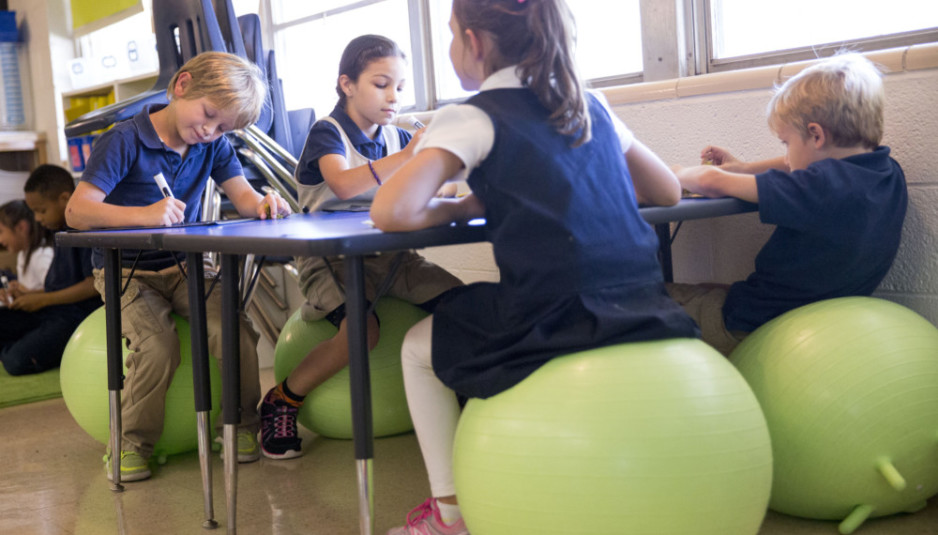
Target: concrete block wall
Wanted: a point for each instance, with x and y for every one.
(678, 118)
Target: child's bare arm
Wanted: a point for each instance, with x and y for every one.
(34, 301)
(347, 182)
(86, 209)
(654, 182)
(711, 181)
(408, 201)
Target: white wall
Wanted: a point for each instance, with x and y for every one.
(678, 127)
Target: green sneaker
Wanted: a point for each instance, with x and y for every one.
(133, 467)
(248, 450)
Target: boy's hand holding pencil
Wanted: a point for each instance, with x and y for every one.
(169, 210)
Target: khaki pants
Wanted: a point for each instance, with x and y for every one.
(151, 336)
(416, 281)
(704, 303)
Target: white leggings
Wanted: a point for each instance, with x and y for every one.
(434, 408)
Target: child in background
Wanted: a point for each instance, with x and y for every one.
(578, 263)
(37, 324)
(211, 94)
(341, 167)
(20, 233)
(837, 198)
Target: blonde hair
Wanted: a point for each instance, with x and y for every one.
(228, 81)
(538, 37)
(844, 94)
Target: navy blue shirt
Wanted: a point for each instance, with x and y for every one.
(324, 139)
(839, 223)
(578, 264)
(70, 265)
(125, 159)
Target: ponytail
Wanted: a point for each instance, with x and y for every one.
(538, 37)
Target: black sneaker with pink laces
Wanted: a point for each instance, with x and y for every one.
(279, 437)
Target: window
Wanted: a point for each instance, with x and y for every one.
(609, 43)
(243, 7)
(609, 38)
(309, 38)
(741, 35)
(716, 35)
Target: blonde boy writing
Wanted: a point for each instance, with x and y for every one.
(837, 198)
(211, 94)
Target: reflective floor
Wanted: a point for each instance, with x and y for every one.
(52, 483)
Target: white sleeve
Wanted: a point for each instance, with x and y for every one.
(34, 276)
(625, 135)
(464, 130)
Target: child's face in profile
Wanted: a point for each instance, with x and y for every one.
(10, 239)
(800, 152)
(49, 213)
(375, 97)
(460, 56)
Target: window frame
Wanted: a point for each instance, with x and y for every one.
(705, 62)
(676, 42)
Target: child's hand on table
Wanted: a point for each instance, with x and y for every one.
(447, 190)
(690, 178)
(273, 206)
(721, 158)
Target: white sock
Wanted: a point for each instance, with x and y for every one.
(449, 513)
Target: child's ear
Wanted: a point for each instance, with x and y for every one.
(182, 84)
(476, 46)
(817, 135)
(345, 84)
(64, 197)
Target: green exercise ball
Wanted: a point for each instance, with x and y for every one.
(328, 408)
(849, 388)
(84, 387)
(660, 438)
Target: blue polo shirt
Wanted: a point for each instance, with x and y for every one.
(324, 139)
(125, 159)
(838, 227)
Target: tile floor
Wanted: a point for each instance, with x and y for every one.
(52, 483)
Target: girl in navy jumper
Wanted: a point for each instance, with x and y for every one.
(578, 264)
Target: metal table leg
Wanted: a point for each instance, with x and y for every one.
(202, 387)
(231, 381)
(115, 358)
(359, 375)
(663, 230)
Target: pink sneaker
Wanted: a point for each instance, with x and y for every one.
(425, 520)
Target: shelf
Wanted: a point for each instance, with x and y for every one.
(22, 150)
(122, 88)
(78, 102)
(92, 97)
